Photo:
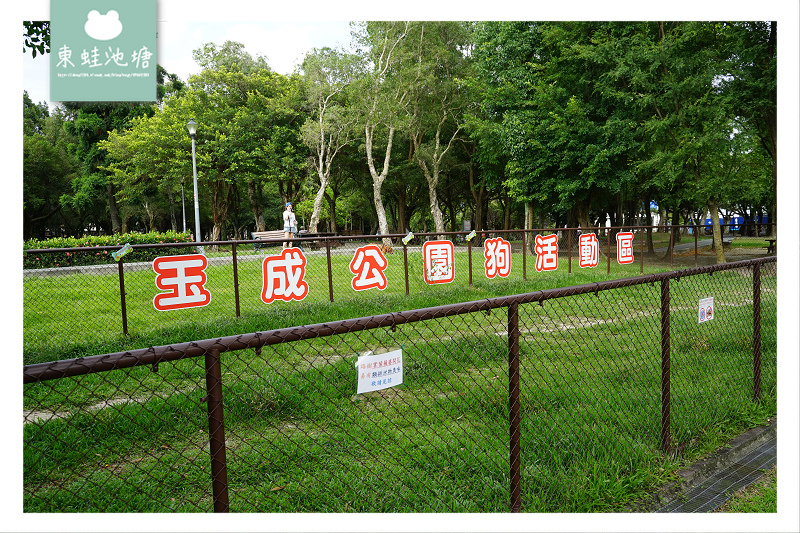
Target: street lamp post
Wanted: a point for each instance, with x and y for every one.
(183, 207)
(192, 127)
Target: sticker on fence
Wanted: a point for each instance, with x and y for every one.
(122, 251)
(705, 310)
(381, 371)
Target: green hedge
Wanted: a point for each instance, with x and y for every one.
(82, 255)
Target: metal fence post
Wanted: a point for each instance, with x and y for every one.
(469, 260)
(235, 280)
(641, 250)
(665, 367)
(608, 246)
(756, 331)
(524, 254)
(216, 431)
(513, 407)
(569, 251)
(405, 263)
(671, 245)
(122, 297)
(330, 270)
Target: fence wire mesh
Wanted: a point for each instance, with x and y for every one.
(271, 421)
(111, 305)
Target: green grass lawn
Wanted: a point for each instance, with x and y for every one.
(759, 497)
(299, 439)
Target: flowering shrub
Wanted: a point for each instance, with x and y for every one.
(83, 250)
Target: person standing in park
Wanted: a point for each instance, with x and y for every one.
(289, 224)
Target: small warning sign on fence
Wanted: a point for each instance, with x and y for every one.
(705, 311)
(379, 371)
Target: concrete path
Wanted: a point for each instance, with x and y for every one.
(712, 481)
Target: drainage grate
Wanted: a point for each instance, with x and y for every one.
(716, 490)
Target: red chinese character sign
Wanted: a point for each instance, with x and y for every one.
(284, 276)
(588, 250)
(368, 265)
(546, 252)
(625, 248)
(498, 257)
(438, 261)
(185, 277)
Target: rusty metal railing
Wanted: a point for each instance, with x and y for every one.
(91, 286)
(308, 359)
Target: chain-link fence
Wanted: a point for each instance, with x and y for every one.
(68, 307)
(560, 400)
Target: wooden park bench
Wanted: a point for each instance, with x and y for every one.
(267, 236)
(772, 245)
(313, 240)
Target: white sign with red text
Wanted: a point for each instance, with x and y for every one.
(185, 277)
(381, 371)
(368, 265)
(498, 257)
(438, 258)
(284, 275)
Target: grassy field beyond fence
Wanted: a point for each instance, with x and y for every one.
(299, 439)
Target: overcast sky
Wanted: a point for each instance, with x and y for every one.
(283, 42)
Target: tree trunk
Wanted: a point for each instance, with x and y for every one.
(676, 231)
(582, 213)
(151, 217)
(116, 223)
(331, 198)
(773, 209)
(312, 225)
(436, 213)
(172, 220)
(477, 196)
(254, 195)
(378, 179)
(402, 222)
(529, 239)
(507, 214)
(714, 210)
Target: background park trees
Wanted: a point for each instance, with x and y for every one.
(425, 126)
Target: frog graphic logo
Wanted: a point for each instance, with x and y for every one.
(103, 27)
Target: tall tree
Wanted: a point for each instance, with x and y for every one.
(672, 70)
(384, 95)
(751, 83)
(567, 146)
(437, 100)
(327, 75)
(247, 140)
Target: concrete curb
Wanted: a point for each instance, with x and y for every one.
(701, 470)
